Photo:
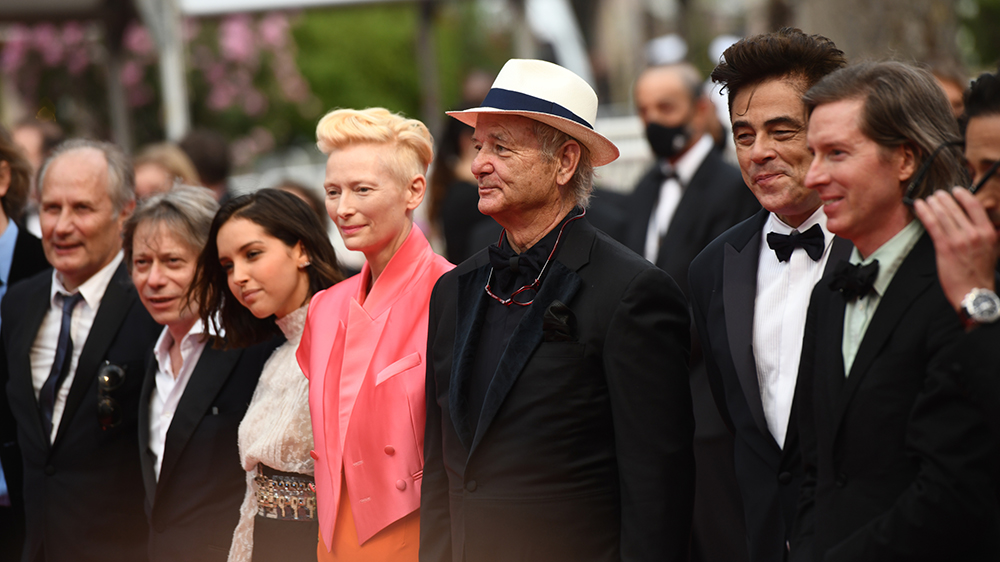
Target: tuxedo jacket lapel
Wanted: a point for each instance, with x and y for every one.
(914, 276)
(146, 459)
(739, 292)
(560, 284)
(19, 356)
(209, 375)
(114, 306)
(468, 325)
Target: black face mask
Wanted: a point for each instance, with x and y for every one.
(667, 142)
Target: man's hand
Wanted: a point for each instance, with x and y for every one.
(965, 242)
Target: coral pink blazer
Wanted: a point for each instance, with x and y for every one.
(364, 358)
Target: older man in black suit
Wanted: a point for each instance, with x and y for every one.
(750, 287)
(559, 421)
(73, 366)
(899, 464)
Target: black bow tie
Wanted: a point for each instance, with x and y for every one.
(854, 280)
(505, 258)
(811, 241)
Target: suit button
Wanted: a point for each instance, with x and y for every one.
(314, 455)
(471, 485)
(389, 450)
(841, 480)
(50, 470)
(400, 485)
(785, 477)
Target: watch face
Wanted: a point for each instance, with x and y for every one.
(985, 307)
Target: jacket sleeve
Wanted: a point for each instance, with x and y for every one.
(645, 364)
(435, 516)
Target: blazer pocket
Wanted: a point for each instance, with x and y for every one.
(410, 361)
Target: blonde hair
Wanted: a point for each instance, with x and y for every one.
(411, 141)
(171, 158)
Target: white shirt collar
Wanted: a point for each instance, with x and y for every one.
(92, 289)
(687, 165)
(162, 348)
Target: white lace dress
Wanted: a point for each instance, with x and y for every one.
(276, 429)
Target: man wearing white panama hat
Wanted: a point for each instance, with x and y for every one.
(559, 424)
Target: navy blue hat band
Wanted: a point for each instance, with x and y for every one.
(510, 100)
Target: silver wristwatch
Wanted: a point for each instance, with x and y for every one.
(980, 306)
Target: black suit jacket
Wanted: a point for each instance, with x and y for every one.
(28, 259)
(977, 365)
(899, 465)
(195, 505)
(716, 199)
(723, 280)
(83, 492)
(583, 448)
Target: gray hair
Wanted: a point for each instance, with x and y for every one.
(903, 106)
(582, 183)
(185, 210)
(121, 176)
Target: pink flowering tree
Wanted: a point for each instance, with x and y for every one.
(242, 75)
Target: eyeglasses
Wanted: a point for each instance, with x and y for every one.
(918, 178)
(986, 177)
(109, 378)
(534, 285)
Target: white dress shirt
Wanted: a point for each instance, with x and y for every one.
(43, 350)
(671, 191)
(779, 319)
(168, 390)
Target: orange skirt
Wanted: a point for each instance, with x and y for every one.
(399, 542)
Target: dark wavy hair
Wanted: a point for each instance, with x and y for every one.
(982, 98)
(786, 52)
(283, 216)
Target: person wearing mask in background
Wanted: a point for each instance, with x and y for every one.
(365, 339)
(899, 465)
(688, 197)
(965, 227)
(193, 396)
(750, 287)
(265, 257)
(21, 256)
(75, 339)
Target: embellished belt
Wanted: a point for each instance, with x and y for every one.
(285, 495)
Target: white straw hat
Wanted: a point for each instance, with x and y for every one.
(548, 93)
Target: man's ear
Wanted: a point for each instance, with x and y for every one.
(908, 163)
(568, 158)
(4, 177)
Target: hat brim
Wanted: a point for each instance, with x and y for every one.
(602, 150)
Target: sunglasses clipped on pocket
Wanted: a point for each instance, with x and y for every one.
(109, 378)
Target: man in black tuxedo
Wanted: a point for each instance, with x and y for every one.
(749, 292)
(964, 229)
(688, 197)
(899, 464)
(21, 256)
(559, 422)
(73, 342)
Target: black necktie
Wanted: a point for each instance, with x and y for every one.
(60, 363)
(854, 280)
(811, 241)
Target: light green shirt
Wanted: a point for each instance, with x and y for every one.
(859, 313)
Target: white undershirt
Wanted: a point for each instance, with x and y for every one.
(168, 390)
(671, 191)
(43, 350)
(783, 292)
